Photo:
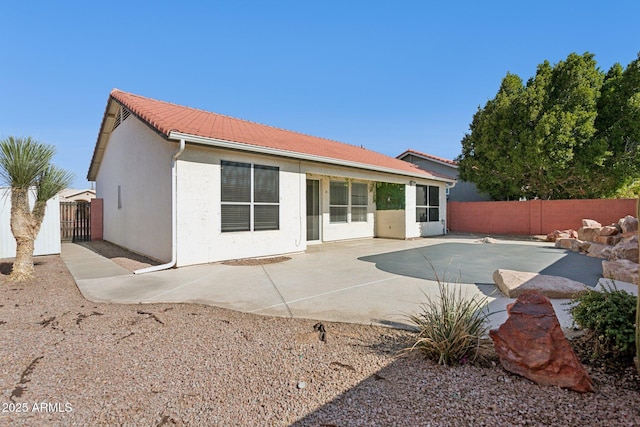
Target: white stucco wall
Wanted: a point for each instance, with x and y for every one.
(139, 161)
(200, 239)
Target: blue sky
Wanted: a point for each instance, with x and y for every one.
(386, 75)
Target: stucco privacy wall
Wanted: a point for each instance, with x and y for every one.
(136, 169)
(48, 240)
(534, 217)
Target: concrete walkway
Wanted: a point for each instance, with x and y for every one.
(84, 264)
(354, 281)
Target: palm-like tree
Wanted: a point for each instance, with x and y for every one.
(25, 165)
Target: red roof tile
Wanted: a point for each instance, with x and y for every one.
(166, 117)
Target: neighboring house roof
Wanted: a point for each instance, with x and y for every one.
(69, 193)
(176, 122)
(75, 195)
(442, 160)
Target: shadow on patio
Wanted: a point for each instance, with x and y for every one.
(475, 262)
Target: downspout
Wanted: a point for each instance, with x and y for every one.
(174, 216)
(448, 187)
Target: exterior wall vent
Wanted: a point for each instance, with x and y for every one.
(122, 115)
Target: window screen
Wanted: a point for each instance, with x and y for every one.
(236, 182)
(338, 201)
(359, 196)
(250, 196)
(266, 188)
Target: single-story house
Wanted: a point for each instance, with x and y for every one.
(76, 195)
(462, 191)
(187, 186)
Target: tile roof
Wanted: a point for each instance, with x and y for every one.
(166, 118)
(429, 156)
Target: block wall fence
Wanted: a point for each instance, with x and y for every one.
(97, 219)
(534, 217)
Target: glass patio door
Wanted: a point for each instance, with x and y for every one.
(313, 210)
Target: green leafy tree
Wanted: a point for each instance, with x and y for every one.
(540, 140)
(25, 165)
(618, 125)
(495, 167)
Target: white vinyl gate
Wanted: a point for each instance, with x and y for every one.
(48, 240)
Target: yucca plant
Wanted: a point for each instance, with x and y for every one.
(25, 165)
(451, 326)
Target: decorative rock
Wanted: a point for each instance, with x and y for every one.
(588, 233)
(626, 249)
(531, 343)
(609, 230)
(597, 250)
(514, 283)
(628, 224)
(607, 240)
(574, 245)
(591, 223)
(487, 240)
(562, 234)
(622, 270)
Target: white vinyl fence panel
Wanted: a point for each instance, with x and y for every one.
(48, 240)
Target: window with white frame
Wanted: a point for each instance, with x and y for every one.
(341, 200)
(427, 203)
(250, 197)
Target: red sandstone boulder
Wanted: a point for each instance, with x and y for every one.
(588, 233)
(598, 250)
(622, 270)
(591, 223)
(574, 245)
(609, 230)
(562, 234)
(531, 343)
(627, 248)
(514, 283)
(607, 240)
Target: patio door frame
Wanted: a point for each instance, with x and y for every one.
(314, 205)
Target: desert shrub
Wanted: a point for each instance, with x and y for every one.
(450, 327)
(610, 315)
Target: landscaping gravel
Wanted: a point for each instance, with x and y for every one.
(67, 361)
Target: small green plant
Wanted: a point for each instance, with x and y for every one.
(450, 328)
(610, 315)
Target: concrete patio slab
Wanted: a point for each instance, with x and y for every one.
(372, 281)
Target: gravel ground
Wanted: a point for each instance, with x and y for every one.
(67, 361)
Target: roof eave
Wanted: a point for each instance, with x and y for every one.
(430, 158)
(108, 119)
(300, 156)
